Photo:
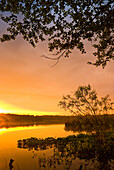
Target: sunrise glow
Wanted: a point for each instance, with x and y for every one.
(29, 85)
(56, 84)
(7, 108)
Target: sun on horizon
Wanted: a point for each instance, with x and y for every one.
(8, 108)
(2, 110)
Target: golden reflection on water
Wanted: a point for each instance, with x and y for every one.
(2, 131)
(10, 136)
(5, 130)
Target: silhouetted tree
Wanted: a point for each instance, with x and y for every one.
(65, 23)
(85, 102)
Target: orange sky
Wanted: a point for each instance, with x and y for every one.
(29, 85)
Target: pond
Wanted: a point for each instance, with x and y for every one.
(51, 147)
(23, 158)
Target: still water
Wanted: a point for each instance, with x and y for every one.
(23, 158)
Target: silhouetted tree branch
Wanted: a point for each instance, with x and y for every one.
(66, 24)
(85, 102)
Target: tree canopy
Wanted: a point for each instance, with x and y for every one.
(66, 24)
(85, 101)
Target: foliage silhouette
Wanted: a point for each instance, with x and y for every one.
(99, 152)
(85, 102)
(66, 24)
(81, 123)
(11, 164)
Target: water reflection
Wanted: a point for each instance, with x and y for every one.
(58, 151)
(90, 152)
(22, 159)
(18, 128)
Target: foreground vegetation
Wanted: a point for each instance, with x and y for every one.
(99, 152)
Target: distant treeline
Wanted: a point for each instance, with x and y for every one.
(90, 123)
(73, 123)
(13, 120)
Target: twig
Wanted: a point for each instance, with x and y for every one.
(55, 59)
